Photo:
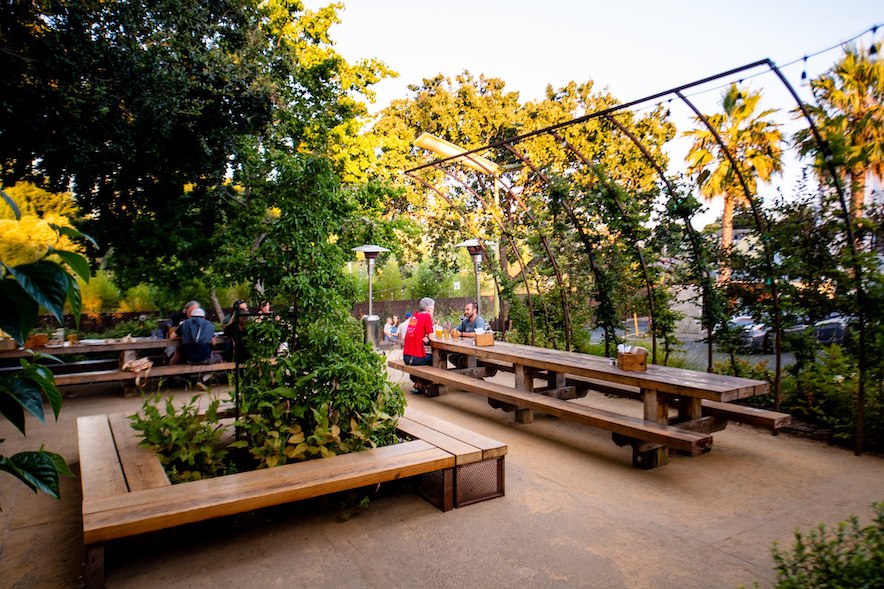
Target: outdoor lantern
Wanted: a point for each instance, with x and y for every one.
(476, 250)
(371, 253)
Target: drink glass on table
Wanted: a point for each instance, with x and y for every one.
(439, 330)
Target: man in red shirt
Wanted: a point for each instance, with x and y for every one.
(417, 337)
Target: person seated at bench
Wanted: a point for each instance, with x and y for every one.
(417, 337)
(197, 339)
(235, 332)
(171, 353)
(470, 323)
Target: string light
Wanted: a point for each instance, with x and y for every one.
(805, 81)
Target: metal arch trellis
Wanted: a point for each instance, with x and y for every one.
(689, 229)
(830, 167)
(474, 231)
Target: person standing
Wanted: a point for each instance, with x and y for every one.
(417, 337)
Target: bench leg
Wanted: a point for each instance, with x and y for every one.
(95, 566)
(656, 408)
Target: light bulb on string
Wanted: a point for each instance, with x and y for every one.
(805, 81)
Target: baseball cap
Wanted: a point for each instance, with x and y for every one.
(198, 312)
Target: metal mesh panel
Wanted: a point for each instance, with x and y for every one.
(479, 481)
(436, 488)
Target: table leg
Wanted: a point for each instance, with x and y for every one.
(524, 382)
(440, 360)
(656, 409)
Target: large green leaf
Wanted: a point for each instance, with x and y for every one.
(10, 408)
(78, 263)
(47, 283)
(18, 311)
(75, 298)
(43, 378)
(71, 232)
(38, 470)
(26, 394)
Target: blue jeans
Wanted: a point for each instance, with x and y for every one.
(410, 360)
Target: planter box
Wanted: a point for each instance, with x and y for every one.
(126, 492)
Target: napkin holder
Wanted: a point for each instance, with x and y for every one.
(485, 339)
(633, 361)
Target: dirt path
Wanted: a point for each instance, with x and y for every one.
(576, 514)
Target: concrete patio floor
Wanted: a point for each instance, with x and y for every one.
(575, 514)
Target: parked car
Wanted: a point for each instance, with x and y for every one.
(758, 338)
(833, 329)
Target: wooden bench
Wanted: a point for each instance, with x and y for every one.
(126, 376)
(633, 430)
(126, 492)
(762, 418)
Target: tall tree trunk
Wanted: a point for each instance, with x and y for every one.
(727, 237)
(857, 191)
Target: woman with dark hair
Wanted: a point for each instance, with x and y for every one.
(235, 332)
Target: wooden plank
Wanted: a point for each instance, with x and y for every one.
(661, 378)
(155, 372)
(165, 507)
(101, 474)
(463, 453)
(491, 448)
(650, 431)
(764, 418)
(140, 465)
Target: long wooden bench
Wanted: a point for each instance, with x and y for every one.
(632, 428)
(126, 492)
(762, 418)
(129, 379)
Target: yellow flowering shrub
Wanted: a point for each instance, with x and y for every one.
(27, 240)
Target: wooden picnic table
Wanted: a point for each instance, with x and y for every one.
(659, 387)
(127, 349)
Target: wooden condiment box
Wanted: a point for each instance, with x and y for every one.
(633, 361)
(485, 339)
(37, 340)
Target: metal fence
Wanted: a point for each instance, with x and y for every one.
(449, 307)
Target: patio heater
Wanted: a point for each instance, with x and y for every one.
(476, 250)
(371, 320)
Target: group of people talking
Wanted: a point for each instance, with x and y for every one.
(195, 335)
(420, 326)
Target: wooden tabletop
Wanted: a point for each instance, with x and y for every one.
(110, 345)
(664, 379)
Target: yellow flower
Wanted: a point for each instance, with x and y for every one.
(25, 241)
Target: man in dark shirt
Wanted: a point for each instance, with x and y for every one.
(197, 339)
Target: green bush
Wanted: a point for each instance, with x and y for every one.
(187, 443)
(846, 557)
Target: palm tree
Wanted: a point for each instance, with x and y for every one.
(850, 115)
(755, 143)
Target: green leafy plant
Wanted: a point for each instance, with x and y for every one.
(187, 441)
(32, 275)
(844, 557)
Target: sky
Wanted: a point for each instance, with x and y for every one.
(634, 48)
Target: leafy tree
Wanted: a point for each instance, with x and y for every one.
(143, 108)
(849, 113)
(755, 143)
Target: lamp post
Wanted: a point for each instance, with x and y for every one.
(475, 248)
(371, 253)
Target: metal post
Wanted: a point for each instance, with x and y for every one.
(476, 261)
(370, 272)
